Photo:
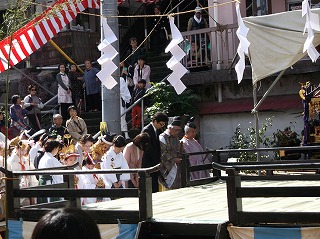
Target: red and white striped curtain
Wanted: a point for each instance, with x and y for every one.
(40, 30)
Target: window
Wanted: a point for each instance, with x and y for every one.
(294, 5)
(257, 7)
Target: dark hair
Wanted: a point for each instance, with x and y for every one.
(85, 138)
(142, 57)
(14, 99)
(133, 39)
(158, 7)
(119, 141)
(142, 141)
(61, 65)
(31, 86)
(87, 161)
(160, 116)
(50, 145)
(72, 107)
(66, 223)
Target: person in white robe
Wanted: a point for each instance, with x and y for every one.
(114, 159)
(125, 99)
(90, 181)
(18, 161)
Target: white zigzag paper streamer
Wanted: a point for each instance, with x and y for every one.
(244, 44)
(312, 22)
(109, 52)
(174, 63)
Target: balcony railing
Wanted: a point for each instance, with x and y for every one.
(213, 47)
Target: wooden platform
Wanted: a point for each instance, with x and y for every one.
(208, 203)
(205, 207)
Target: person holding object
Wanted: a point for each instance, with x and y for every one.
(114, 159)
(33, 105)
(170, 158)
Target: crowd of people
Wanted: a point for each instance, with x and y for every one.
(158, 143)
(31, 147)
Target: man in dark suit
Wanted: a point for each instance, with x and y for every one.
(152, 154)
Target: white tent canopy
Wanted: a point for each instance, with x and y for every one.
(277, 42)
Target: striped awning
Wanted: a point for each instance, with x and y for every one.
(40, 30)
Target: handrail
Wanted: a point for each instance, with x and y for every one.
(100, 171)
(6, 171)
(298, 148)
(273, 166)
(139, 100)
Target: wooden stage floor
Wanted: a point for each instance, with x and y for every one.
(208, 203)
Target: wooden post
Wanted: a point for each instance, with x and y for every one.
(185, 171)
(234, 203)
(70, 179)
(217, 159)
(145, 196)
(9, 196)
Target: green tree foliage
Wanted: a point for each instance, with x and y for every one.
(17, 14)
(164, 98)
(247, 140)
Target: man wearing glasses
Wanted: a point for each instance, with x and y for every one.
(152, 154)
(33, 105)
(170, 155)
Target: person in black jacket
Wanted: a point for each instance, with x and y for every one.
(138, 93)
(132, 56)
(159, 36)
(152, 155)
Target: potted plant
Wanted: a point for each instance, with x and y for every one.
(287, 138)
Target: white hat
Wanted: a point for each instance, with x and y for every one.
(198, 9)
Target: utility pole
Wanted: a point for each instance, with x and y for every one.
(111, 98)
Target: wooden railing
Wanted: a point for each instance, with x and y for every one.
(72, 196)
(144, 193)
(236, 192)
(213, 47)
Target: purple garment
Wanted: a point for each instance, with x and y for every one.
(192, 146)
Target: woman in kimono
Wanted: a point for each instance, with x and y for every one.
(133, 153)
(83, 147)
(48, 160)
(18, 161)
(90, 181)
(114, 159)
